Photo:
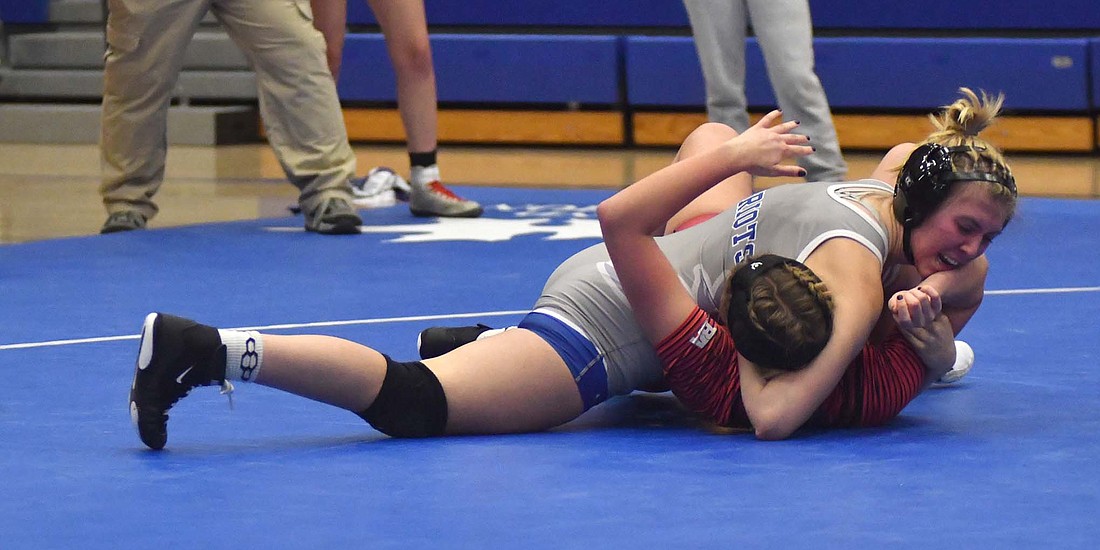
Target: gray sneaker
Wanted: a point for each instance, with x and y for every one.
(125, 220)
(434, 199)
(334, 216)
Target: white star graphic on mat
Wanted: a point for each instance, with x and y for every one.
(479, 229)
(580, 228)
(486, 230)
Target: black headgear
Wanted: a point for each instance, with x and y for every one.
(755, 344)
(925, 181)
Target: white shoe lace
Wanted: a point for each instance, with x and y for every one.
(227, 390)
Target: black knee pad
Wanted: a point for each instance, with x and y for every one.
(411, 402)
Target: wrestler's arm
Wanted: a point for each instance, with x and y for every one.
(780, 404)
(961, 290)
(632, 217)
(955, 295)
(706, 378)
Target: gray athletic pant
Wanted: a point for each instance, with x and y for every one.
(785, 33)
(297, 95)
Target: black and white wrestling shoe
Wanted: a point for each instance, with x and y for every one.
(435, 341)
(175, 356)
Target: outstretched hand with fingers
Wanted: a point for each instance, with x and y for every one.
(769, 142)
(919, 316)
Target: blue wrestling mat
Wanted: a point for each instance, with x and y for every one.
(1005, 459)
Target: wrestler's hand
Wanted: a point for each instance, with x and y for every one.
(768, 143)
(919, 316)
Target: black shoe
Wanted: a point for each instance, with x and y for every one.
(125, 220)
(436, 341)
(334, 216)
(175, 355)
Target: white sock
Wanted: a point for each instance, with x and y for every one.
(244, 354)
(421, 176)
(964, 361)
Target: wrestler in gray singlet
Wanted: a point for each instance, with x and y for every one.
(788, 220)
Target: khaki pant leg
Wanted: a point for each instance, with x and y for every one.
(146, 41)
(298, 101)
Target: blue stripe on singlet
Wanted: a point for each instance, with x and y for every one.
(579, 354)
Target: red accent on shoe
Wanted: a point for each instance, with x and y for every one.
(437, 187)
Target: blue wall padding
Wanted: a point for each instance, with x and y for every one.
(887, 73)
(664, 71)
(25, 11)
(494, 69)
(837, 14)
(549, 13)
(1094, 56)
(831, 14)
(956, 14)
(1034, 74)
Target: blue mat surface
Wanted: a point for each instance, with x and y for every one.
(1007, 458)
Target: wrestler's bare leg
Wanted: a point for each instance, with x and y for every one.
(721, 196)
(891, 163)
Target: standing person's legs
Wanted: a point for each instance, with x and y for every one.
(718, 27)
(406, 31)
(405, 28)
(298, 101)
(784, 30)
(146, 41)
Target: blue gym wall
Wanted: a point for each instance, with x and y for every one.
(24, 11)
(910, 57)
(870, 55)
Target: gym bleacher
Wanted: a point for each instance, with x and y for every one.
(612, 73)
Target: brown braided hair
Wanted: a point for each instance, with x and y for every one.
(788, 311)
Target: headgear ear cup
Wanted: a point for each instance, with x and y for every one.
(921, 186)
(925, 180)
